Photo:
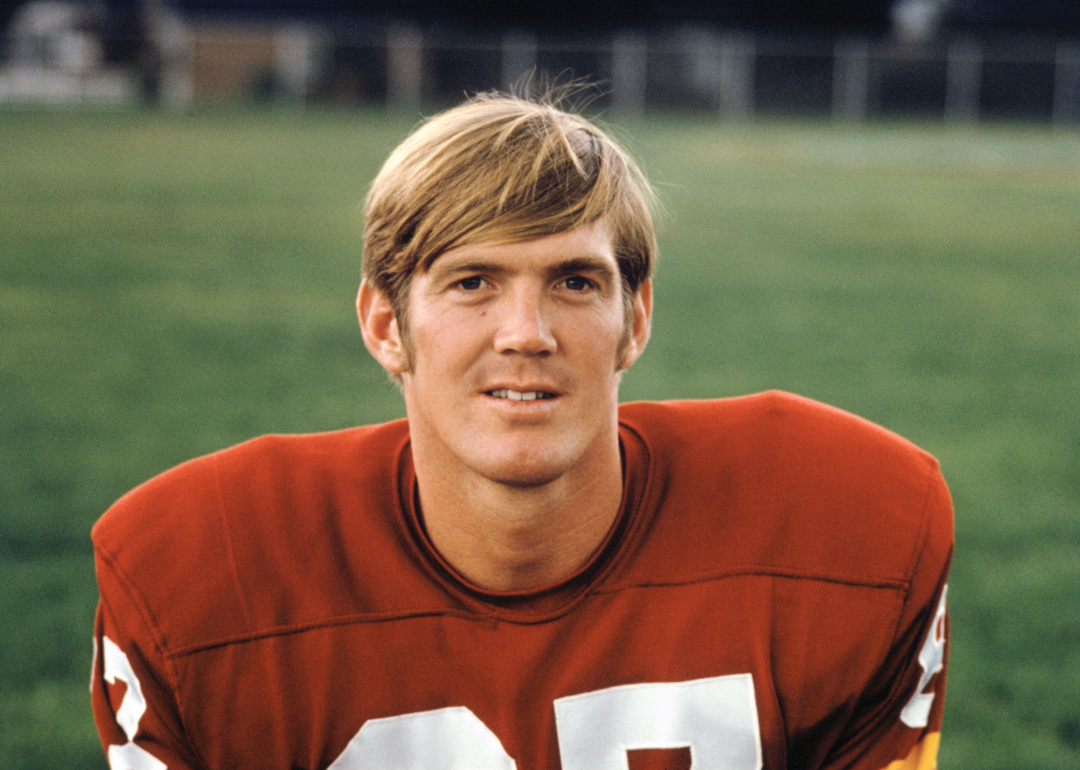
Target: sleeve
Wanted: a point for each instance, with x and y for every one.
(132, 687)
(897, 725)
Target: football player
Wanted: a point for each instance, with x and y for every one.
(523, 573)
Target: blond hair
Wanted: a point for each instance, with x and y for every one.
(501, 168)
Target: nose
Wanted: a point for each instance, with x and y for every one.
(524, 326)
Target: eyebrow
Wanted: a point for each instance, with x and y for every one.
(441, 270)
(584, 265)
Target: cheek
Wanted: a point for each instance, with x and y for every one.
(448, 345)
(608, 330)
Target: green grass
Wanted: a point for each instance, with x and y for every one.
(171, 284)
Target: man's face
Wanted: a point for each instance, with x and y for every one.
(516, 356)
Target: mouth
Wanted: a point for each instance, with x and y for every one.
(514, 395)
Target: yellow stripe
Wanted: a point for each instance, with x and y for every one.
(922, 757)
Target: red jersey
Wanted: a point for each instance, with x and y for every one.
(771, 595)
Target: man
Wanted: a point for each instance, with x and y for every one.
(524, 574)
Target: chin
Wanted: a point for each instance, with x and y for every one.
(524, 472)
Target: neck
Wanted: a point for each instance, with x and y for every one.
(507, 538)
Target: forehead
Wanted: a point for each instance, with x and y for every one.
(591, 243)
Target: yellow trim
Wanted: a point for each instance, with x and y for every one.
(922, 757)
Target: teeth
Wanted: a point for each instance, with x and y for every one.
(513, 395)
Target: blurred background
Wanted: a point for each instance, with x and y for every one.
(875, 204)
(951, 59)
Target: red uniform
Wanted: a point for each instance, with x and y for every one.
(771, 595)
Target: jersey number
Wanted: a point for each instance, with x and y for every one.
(129, 756)
(932, 659)
(715, 718)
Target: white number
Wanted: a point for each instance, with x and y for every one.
(443, 739)
(716, 718)
(129, 756)
(932, 658)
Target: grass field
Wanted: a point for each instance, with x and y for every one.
(171, 284)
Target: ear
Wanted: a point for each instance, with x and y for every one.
(640, 326)
(380, 328)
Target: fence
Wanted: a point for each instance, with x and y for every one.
(735, 75)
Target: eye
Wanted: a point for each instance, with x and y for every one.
(577, 283)
(472, 283)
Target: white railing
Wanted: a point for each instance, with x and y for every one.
(735, 75)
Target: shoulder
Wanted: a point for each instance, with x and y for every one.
(796, 435)
(772, 419)
(263, 467)
(798, 484)
(195, 545)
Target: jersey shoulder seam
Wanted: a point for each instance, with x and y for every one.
(893, 584)
(313, 625)
(627, 585)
